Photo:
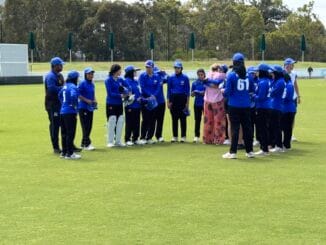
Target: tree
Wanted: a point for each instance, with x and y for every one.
(273, 12)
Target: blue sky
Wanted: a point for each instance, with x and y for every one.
(319, 7)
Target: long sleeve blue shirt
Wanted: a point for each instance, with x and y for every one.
(86, 88)
(277, 93)
(52, 87)
(52, 83)
(135, 89)
(178, 84)
(199, 88)
(288, 101)
(254, 80)
(151, 86)
(262, 98)
(113, 95)
(238, 91)
(68, 97)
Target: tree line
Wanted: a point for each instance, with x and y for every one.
(221, 27)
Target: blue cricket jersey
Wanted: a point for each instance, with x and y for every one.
(254, 80)
(198, 86)
(238, 91)
(152, 85)
(86, 88)
(68, 97)
(135, 90)
(277, 90)
(178, 84)
(113, 95)
(288, 101)
(263, 99)
(52, 88)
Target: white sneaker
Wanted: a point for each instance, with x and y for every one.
(276, 150)
(110, 145)
(129, 143)
(143, 142)
(73, 156)
(160, 140)
(183, 139)
(256, 143)
(293, 138)
(138, 142)
(174, 139)
(151, 142)
(250, 155)
(196, 139)
(229, 155)
(261, 153)
(227, 142)
(89, 148)
(120, 144)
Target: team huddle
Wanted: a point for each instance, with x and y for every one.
(238, 106)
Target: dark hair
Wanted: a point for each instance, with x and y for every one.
(240, 69)
(278, 75)
(130, 74)
(287, 77)
(201, 70)
(114, 68)
(263, 74)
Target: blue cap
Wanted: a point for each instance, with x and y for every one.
(156, 69)
(151, 103)
(131, 68)
(252, 69)
(177, 64)
(89, 70)
(278, 68)
(224, 68)
(73, 75)
(238, 57)
(149, 63)
(186, 111)
(289, 61)
(265, 67)
(57, 61)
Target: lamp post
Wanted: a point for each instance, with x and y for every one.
(1, 33)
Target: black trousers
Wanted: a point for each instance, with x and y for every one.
(287, 121)
(68, 131)
(114, 110)
(253, 116)
(148, 123)
(132, 124)
(86, 122)
(263, 123)
(198, 113)
(275, 137)
(240, 116)
(54, 126)
(178, 105)
(159, 119)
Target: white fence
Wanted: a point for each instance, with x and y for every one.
(13, 60)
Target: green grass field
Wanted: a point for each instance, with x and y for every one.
(188, 65)
(159, 194)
